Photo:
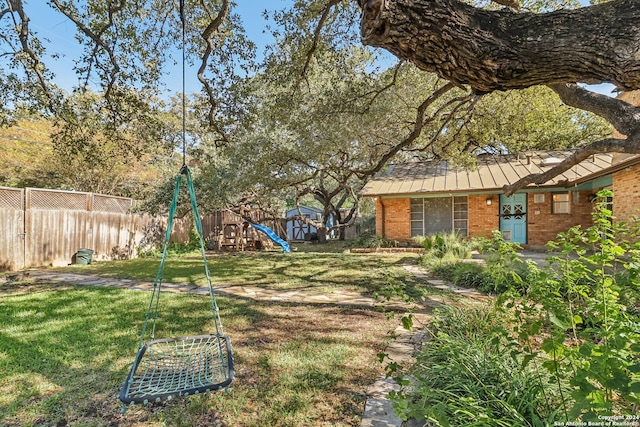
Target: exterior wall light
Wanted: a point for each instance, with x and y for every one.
(489, 201)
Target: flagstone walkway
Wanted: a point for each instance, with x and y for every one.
(257, 293)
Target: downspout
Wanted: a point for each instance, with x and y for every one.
(383, 219)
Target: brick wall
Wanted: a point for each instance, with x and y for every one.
(397, 219)
(544, 226)
(626, 193)
(626, 183)
(483, 219)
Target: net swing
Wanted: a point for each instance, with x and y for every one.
(175, 367)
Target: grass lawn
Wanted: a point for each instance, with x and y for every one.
(65, 351)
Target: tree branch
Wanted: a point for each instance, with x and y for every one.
(631, 145)
(376, 93)
(207, 36)
(419, 125)
(501, 50)
(624, 117)
(36, 66)
(513, 4)
(97, 38)
(316, 35)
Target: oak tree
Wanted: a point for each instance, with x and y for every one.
(508, 49)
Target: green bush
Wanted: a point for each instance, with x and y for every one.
(174, 248)
(507, 270)
(444, 248)
(463, 376)
(565, 349)
(467, 275)
(464, 275)
(576, 309)
(445, 271)
(371, 240)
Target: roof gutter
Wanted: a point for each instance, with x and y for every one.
(608, 171)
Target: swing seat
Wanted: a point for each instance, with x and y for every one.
(175, 367)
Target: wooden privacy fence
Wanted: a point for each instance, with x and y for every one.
(47, 227)
(41, 227)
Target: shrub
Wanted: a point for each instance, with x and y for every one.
(505, 267)
(463, 376)
(445, 248)
(467, 275)
(564, 350)
(444, 271)
(576, 310)
(371, 240)
(174, 248)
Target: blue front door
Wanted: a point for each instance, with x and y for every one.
(513, 217)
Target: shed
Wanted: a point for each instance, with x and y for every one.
(297, 229)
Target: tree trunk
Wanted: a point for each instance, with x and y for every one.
(322, 235)
(501, 50)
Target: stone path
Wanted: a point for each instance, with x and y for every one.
(378, 410)
(419, 273)
(337, 297)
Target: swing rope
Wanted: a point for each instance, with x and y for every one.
(175, 367)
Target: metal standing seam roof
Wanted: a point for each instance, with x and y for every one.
(492, 172)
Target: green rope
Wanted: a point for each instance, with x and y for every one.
(152, 310)
(157, 284)
(196, 218)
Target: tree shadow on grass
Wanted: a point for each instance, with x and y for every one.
(65, 353)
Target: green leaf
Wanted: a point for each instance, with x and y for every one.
(549, 365)
(549, 345)
(635, 387)
(526, 359)
(586, 349)
(562, 324)
(597, 397)
(407, 323)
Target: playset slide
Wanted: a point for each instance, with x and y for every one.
(273, 236)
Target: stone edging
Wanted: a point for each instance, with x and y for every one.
(386, 250)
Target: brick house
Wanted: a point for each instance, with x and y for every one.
(415, 199)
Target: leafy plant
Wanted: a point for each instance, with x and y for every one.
(445, 248)
(588, 337)
(192, 245)
(565, 348)
(505, 266)
(462, 377)
(371, 240)
(466, 275)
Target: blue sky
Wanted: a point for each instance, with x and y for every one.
(60, 32)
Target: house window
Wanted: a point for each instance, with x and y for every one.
(417, 217)
(538, 198)
(461, 215)
(561, 203)
(439, 215)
